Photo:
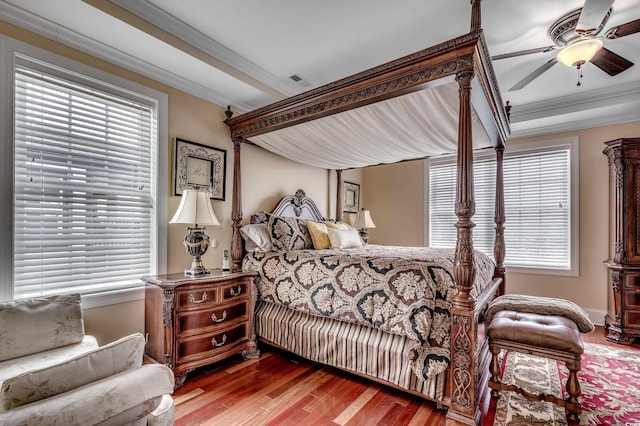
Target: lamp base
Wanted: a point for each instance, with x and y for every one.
(364, 235)
(196, 270)
(196, 243)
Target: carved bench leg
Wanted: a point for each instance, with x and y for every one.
(494, 369)
(574, 391)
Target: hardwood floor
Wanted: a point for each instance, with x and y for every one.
(282, 389)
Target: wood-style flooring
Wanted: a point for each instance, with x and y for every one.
(282, 389)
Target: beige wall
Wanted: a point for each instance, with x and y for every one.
(266, 178)
(395, 194)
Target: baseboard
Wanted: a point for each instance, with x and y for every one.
(596, 316)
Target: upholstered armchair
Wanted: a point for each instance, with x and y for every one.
(52, 373)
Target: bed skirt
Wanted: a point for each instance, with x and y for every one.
(351, 347)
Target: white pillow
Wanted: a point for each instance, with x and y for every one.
(256, 237)
(73, 373)
(38, 324)
(344, 238)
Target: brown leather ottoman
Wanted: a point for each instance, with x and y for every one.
(549, 336)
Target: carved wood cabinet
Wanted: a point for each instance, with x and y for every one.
(622, 321)
(192, 322)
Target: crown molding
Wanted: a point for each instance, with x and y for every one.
(46, 28)
(534, 112)
(573, 126)
(161, 19)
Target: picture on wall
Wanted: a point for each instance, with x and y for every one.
(198, 165)
(351, 197)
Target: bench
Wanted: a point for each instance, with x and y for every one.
(539, 326)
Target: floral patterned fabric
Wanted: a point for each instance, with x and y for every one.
(136, 391)
(59, 378)
(401, 290)
(288, 233)
(38, 324)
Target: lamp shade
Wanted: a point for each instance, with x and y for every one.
(195, 208)
(363, 220)
(579, 52)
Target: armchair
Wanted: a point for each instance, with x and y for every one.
(52, 373)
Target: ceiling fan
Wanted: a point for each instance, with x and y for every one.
(575, 35)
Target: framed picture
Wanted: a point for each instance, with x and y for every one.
(200, 166)
(351, 197)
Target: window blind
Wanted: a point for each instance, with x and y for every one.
(83, 191)
(537, 206)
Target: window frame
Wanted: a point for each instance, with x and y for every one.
(10, 49)
(574, 198)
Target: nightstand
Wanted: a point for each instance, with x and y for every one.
(192, 322)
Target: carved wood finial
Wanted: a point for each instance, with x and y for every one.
(475, 15)
(228, 112)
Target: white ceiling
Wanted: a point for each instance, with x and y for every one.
(241, 53)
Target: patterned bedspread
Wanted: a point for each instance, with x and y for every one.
(401, 290)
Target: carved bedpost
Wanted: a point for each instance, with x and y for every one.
(499, 250)
(236, 208)
(475, 15)
(339, 195)
(464, 388)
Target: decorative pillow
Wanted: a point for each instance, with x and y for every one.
(344, 238)
(38, 324)
(256, 237)
(289, 233)
(73, 373)
(319, 234)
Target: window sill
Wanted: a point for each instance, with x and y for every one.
(112, 298)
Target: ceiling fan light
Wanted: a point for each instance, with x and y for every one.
(579, 52)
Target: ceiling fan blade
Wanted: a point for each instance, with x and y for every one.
(537, 73)
(524, 52)
(592, 15)
(624, 29)
(609, 62)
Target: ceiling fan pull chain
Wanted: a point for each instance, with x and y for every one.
(579, 75)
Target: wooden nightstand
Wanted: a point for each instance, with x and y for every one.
(191, 322)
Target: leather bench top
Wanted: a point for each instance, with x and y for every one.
(543, 331)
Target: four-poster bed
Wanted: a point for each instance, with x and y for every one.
(424, 81)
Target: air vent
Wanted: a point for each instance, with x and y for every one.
(298, 79)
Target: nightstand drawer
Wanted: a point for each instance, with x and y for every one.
(211, 343)
(200, 321)
(236, 290)
(197, 298)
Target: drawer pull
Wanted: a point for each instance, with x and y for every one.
(193, 299)
(215, 343)
(236, 292)
(214, 318)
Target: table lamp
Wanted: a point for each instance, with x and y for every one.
(195, 208)
(364, 221)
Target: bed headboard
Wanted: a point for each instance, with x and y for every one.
(297, 205)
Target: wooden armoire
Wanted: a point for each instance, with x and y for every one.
(623, 313)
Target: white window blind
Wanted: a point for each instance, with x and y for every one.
(537, 186)
(84, 186)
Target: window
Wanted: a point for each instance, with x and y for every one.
(85, 195)
(540, 182)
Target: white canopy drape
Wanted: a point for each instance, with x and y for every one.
(420, 124)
